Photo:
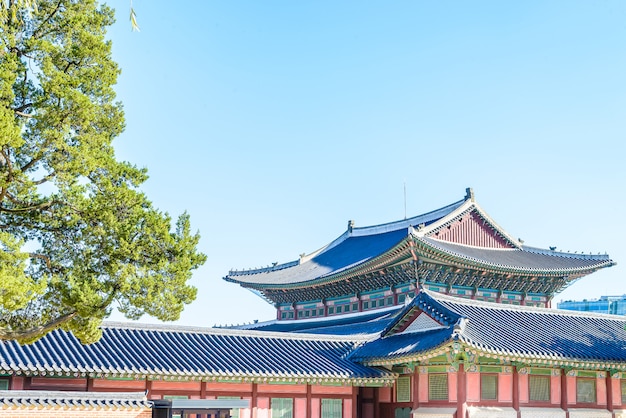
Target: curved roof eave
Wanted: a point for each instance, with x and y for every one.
(362, 267)
(476, 263)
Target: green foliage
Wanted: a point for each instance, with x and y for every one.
(77, 236)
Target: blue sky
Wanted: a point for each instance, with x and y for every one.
(273, 123)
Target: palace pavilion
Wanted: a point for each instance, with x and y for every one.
(439, 315)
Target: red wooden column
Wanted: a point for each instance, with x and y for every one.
(416, 389)
(461, 391)
(309, 413)
(516, 390)
(253, 401)
(609, 391)
(564, 405)
(377, 403)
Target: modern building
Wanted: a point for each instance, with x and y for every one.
(615, 305)
(440, 315)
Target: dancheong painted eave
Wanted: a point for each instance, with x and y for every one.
(458, 235)
(186, 354)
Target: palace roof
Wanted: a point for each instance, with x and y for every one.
(457, 236)
(140, 351)
(354, 247)
(432, 323)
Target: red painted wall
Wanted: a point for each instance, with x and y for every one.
(505, 387)
(522, 386)
(473, 386)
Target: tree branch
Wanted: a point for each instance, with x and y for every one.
(45, 178)
(40, 206)
(42, 257)
(35, 332)
(22, 114)
(23, 107)
(46, 20)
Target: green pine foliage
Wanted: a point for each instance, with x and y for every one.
(77, 235)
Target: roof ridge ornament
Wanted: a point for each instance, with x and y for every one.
(469, 194)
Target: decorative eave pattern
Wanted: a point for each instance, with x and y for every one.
(182, 353)
(453, 350)
(40, 399)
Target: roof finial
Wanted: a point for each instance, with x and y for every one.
(469, 194)
(350, 225)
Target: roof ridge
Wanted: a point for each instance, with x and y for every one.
(522, 308)
(405, 223)
(568, 254)
(230, 332)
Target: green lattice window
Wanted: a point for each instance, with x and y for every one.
(438, 387)
(489, 387)
(282, 408)
(332, 408)
(585, 390)
(623, 382)
(4, 384)
(403, 389)
(539, 388)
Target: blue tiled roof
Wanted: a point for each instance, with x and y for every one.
(541, 332)
(374, 326)
(351, 249)
(400, 345)
(349, 253)
(189, 353)
(507, 330)
(369, 322)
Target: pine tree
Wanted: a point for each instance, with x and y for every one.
(77, 235)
